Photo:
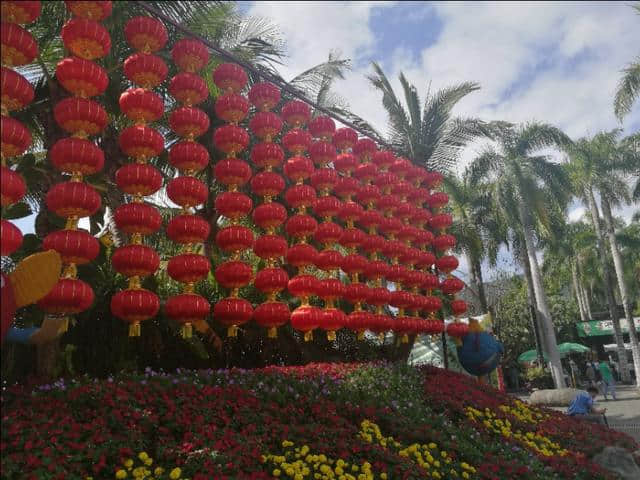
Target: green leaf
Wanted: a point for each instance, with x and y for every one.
(17, 210)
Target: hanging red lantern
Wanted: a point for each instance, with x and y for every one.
(451, 285)
(356, 294)
(298, 169)
(431, 304)
(354, 264)
(189, 89)
(82, 78)
(86, 38)
(16, 138)
(383, 159)
(296, 141)
(366, 172)
(135, 260)
(371, 220)
(408, 234)
(364, 149)
(68, 296)
(438, 200)
(306, 319)
(21, 12)
(328, 260)
(322, 153)
(425, 260)
(327, 207)
(322, 127)
(268, 216)
(345, 138)
(188, 267)
(135, 306)
(12, 187)
(267, 155)
(18, 45)
(73, 199)
(234, 238)
(232, 205)
(457, 329)
(233, 274)
(186, 309)
(145, 70)
(350, 212)
(271, 280)
(145, 34)
(138, 179)
(141, 105)
(296, 113)
(430, 282)
(346, 188)
(409, 256)
(96, 10)
(76, 155)
(264, 96)
(187, 191)
(390, 227)
(189, 156)
(352, 238)
(272, 315)
(190, 122)
(331, 321)
(270, 247)
(346, 163)
(138, 218)
(368, 195)
(400, 167)
(423, 238)
(433, 179)
(301, 226)
(232, 108)
(359, 321)
(328, 232)
(232, 312)
(420, 196)
(230, 139)
(80, 116)
(189, 55)
(301, 255)
(265, 125)
(74, 246)
(444, 242)
(300, 196)
(447, 264)
(379, 296)
(458, 307)
(324, 179)
(373, 244)
(141, 142)
(16, 90)
(441, 221)
(229, 77)
(233, 172)
(10, 237)
(186, 229)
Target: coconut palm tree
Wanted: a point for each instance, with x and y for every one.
(628, 87)
(525, 188)
(601, 164)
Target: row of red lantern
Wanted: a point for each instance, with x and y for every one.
(18, 48)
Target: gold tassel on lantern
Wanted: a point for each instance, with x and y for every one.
(134, 329)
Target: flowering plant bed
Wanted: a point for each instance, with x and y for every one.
(321, 421)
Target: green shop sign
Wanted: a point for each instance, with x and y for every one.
(603, 327)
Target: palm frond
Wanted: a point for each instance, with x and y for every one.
(536, 136)
(488, 163)
(628, 90)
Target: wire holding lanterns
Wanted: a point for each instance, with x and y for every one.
(139, 179)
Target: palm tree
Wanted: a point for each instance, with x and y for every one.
(602, 164)
(525, 188)
(628, 87)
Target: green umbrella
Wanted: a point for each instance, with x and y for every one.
(568, 347)
(529, 356)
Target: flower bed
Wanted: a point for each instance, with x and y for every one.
(342, 421)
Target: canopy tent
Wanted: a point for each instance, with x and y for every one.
(564, 349)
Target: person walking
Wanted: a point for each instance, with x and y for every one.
(591, 374)
(575, 373)
(608, 382)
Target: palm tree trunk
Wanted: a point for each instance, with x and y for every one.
(608, 290)
(533, 311)
(484, 304)
(586, 301)
(546, 324)
(622, 284)
(576, 290)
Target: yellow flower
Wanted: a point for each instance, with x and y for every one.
(276, 472)
(128, 463)
(383, 476)
(121, 474)
(465, 475)
(158, 471)
(175, 473)
(143, 456)
(148, 462)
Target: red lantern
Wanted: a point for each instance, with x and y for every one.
(188, 267)
(10, 237)
(366, 172)
(233, 204)
(68, 296)
(86, 38)
(332, 320)
(373, 243)
(232, 312)
(425, 260)
(15, 137)
(409, 256)
(189, 156)
(187, 308)
(135, 306)
(233, 274)
(187, 229)
(359, 321)
(22, 12)
(234, 238)
(408, 234)
(269, 215)
(371, 219)
(232, 107)
(306, 319)
(145, 34)
(322, 153)
(352, 238)
(369, 194)
(141, 106)
(189, 89)
(430, 282)
(139, 179)
(457, 329)
(73, 199)
(230, 77)
(298, 169)
(301, 255)
(296, 113)
(447, 264)
(438, 200)
(444, 242)
(441, 221)
(391, 227)
(379, 296)
(230, 139)
(271, 280)
(328, 260)
(267, 155)
(80, 116)
(458, 307)
(300, 196)
(97, 10)
(270, 247)
(420, 196)
(354, 264)
(296, 141)
(346, 188)
(190, 122)
(141, 142)
(356, 293)
(264, 96)
(301, 226)
(346, 163)
(345, 138)
(16, 90)
(400, 167)
(322, 127)
(18, 46)
(76, 155)
(451, 285)
(135, 260)
(74, 246)
(383, 159)
(189, 55)
(364, 149)
(187, 191)
(12, 187)
(272, 315)
(233, 172)
(138, 218)
(433, 179)
(327, 207)
(350, 212)
(265, 125)
(145, 70)
(83, 78)
(328, 233)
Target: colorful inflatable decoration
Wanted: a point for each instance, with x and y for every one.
(479, 352)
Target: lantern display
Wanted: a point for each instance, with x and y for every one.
(20, 12)
(93, 10)
(139, 179)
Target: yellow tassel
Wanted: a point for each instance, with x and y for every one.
(134, 330)
(405, 338)
(64, 326)
(381, 336)
(186, 331)
(331, 335)
(232, 331)
(272, 332)
(308, 336)
(361, 335)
